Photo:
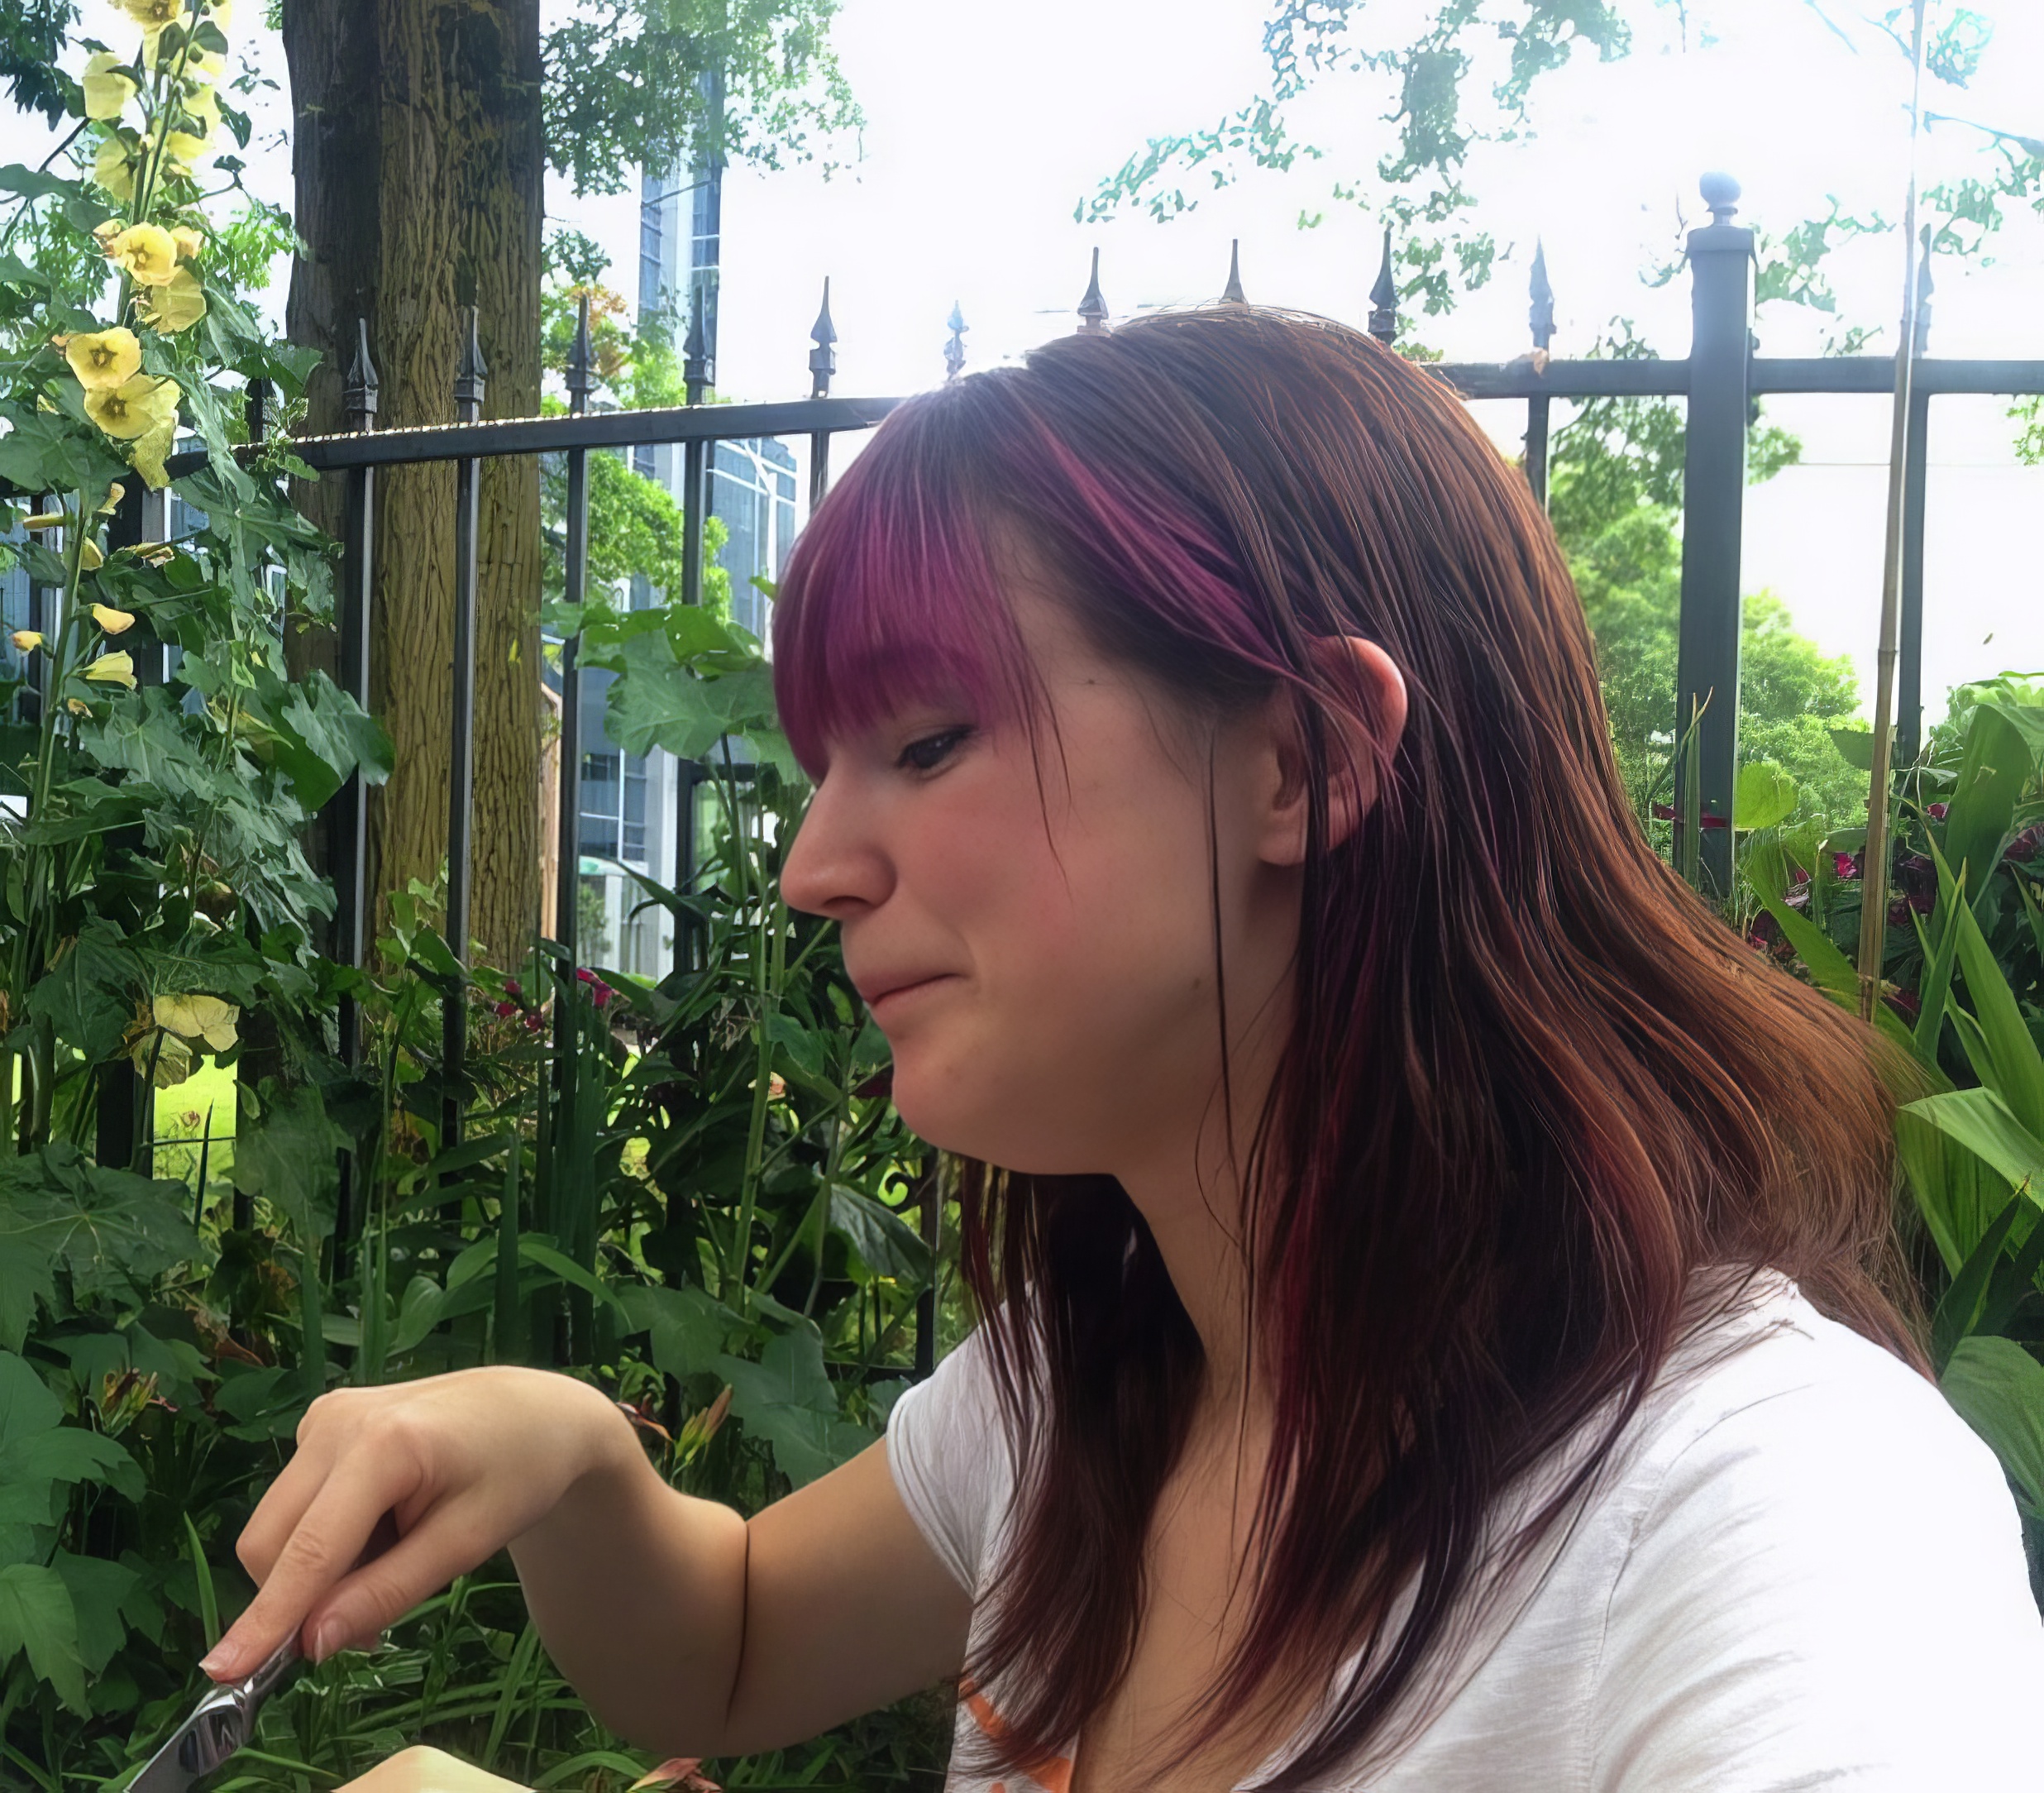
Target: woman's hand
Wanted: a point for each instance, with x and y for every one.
(395, 1491)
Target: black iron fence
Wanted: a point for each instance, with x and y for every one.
(1717, 381)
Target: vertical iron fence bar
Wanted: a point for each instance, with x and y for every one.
(823, 365)
(1909, 668)
(1232, 292)
(695, 500)
(1542, 316)
(575, 565)
(348, 840)
(469, 387)
(1915, 485)
(1706, 679)
(122, 1105)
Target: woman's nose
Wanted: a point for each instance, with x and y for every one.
(834, 866)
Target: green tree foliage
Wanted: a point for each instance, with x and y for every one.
(32, 33)
(1465, 75)
(1615, 499)
(661, 84)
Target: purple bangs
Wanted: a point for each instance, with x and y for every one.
(894, 593)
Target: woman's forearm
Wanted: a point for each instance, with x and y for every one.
(638, 1592)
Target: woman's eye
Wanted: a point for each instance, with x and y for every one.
(926, 754)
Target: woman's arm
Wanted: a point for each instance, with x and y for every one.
(685, 1628)
(693, 1633)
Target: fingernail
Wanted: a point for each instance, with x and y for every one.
(217, 1662)
(326, 1639)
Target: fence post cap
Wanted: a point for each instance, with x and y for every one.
(1721, 194)
(1093, 308)
(954, 349)
(359, 385)
(581, 374)
(823, 362)
(1232, 292)
(1541, 291)
(1383, 324)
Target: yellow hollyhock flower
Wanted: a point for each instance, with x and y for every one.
(108, 86)
(188, 241)
(27, 640)
(162, 1057)
(222, 13)
(134, 406)
(89, 558)
(181, 150)
(201, 106)
(198, 1017)
(177, 304)
(104, 359)
(45, 519)
(153, 16)
(115, 493)
(114, 167)
(144, 252)
(77, 707)
(149, 451)
(112, 669)
(112, 621)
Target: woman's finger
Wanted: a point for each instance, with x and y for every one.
(323, 1547)
(373, 1597)
(277, 1514)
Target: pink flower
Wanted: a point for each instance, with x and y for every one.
(1845, 865)
(534, 1022)
(1937, 811)
(599, 991)
(511, 988)
(2027, 844)
(583, 974)
(505, 1010)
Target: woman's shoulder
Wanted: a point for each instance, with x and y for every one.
(1798, 1531)
(1770, 1382)
(952, 1463)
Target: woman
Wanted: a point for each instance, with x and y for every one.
(1437, 1329)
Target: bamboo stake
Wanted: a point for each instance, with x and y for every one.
(1873, 856)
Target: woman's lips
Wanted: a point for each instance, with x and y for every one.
(904, 992)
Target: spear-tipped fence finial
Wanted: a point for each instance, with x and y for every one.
(359, 386)
(823, 357)
(581, 377)
(1383, 323)
(1093, 308)
(1542, 315)
(954, 349)
(1232, 293)
(471, 378)
(695, 352)
(1721, 194)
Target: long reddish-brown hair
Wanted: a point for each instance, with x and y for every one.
(1535, 1092)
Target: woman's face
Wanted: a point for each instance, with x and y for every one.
(1038, 942)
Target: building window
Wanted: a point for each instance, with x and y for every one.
(614, 806)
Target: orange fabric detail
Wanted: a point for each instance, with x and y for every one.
(1054, 1775)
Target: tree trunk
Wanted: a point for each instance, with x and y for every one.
(418, 159)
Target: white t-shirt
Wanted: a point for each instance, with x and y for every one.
(1800, 1569)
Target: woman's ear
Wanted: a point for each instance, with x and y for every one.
(1363, 730)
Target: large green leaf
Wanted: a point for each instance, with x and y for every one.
(1992, 768)
(2005, 1053)
(1830, 969)
(323, 736)
(111, 1232)
(36, 1615)
(1982, 1122)
(1765, 796)
(1997, 1388)
(89, 995)
(288, 1157)
(689, 1326)
(99, 1591)
(885, 1243)
(788, 1400)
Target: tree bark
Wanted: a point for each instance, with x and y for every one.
(418, 158)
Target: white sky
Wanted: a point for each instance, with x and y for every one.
(986, 126)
